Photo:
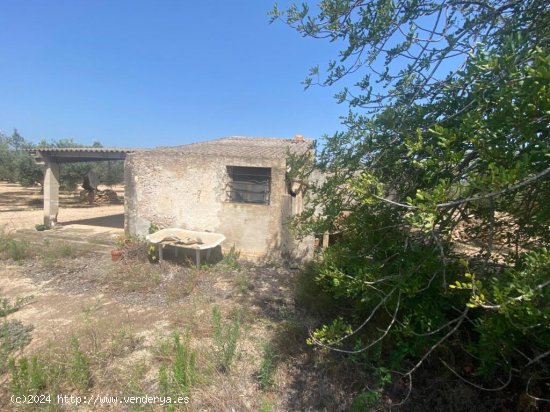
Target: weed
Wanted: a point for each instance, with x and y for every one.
(184, 365)
(177, 379)
(133, 378)
(11, 248)
(153, 228)
(79, 373)
(66, 250)
(242, 280)
(180, 285)
(13, 335)
(266, 406)
(134, 277)
(268, 366)
(122, 343)
(225, 339)
(53, 252)
(164, 382)
(231, 258)
(365, 401)
(153, 253)
(120, 241)
(134, 248)
(28, 377)
(7, 307)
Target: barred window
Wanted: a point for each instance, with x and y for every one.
(249, 184)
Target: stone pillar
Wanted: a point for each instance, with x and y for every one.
(326, 238)
(297, 187)
(299, 202)
(51, 193)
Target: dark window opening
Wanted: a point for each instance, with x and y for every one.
(249, 184)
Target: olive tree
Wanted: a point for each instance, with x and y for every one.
(439, 184)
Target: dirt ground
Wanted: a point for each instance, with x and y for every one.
(122, 312)
(21, 207)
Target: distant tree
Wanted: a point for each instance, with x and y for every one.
(448, 133)
(5, 158)
(17, 164)
(72, 174)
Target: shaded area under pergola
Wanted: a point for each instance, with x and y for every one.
(112, 221)
(51, 158)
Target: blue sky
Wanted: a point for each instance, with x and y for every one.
(156, 73)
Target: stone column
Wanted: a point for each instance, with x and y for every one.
(51, 193)
(297, 188)
(326, 239)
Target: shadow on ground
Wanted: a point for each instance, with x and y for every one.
(314, 381)
(113, 221)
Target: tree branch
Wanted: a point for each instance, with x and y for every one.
(476, 385)
(474, 198)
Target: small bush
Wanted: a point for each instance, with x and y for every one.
(11, 248)
(27, 377)
(225, 340)
(365, 401)
(13, 335)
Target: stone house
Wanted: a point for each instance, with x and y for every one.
(236, 186)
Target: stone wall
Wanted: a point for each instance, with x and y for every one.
(172, 189)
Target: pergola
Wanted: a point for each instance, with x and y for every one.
(51, 158)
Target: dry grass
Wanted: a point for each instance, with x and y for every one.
(124, 314)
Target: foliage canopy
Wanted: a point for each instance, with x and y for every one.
(17, 164)
(439, 185)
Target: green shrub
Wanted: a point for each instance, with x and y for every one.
(231, 258)
(153, 228)
(365, 402)
(177, 378)
(11, 248)
(225, 339)
(78, 373)
(13, 335)
(268, 366)
(27, 377)
(7, 306)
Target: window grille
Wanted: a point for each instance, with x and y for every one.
(249, 184)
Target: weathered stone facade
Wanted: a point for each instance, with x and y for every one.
(186, 187)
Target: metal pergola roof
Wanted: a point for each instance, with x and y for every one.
(80, 154)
